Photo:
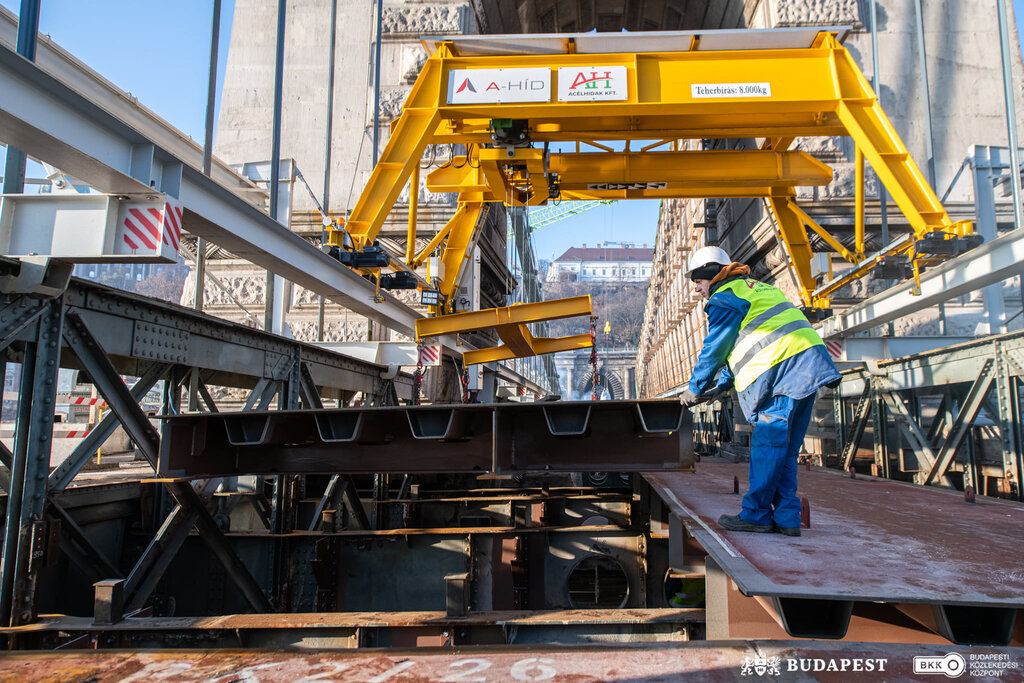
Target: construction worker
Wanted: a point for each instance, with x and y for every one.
(765, 347)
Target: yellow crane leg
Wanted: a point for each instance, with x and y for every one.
(794, 236)
(465, 225)
(875, 136)
(403, 151)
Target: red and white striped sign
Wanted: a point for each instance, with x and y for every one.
(835, 349)
(8, 432)
(79, 401)
(151, 228)
(430, 354)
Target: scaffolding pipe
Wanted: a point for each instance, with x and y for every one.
(922, 56)
(1011, 114)
(376, 83)
(328, 136)
(275, 153)
(211, 100)
(28, 31)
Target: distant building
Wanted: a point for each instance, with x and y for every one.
(608, 262)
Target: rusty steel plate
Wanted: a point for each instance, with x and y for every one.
(869, 539)
(584, 436)
(693, 661)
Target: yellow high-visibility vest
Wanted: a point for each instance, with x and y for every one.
(772, 331)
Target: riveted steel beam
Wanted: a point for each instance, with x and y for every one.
(621, 436)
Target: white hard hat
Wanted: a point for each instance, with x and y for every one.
(706, 256)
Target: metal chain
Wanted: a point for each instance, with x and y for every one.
(465, 383)
(595, 392)
(417, 377)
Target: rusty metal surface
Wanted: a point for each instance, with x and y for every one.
(312, 620)
(607, 436)
(704, 661)
(870, 539)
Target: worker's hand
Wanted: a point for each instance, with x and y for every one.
(688, 399)
(718, 393)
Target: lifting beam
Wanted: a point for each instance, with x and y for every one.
(500, 96)
(511, 323)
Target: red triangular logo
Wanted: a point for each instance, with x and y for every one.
(466, 85)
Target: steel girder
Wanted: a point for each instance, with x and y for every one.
(50, 121)
(964, 379)
(625, 436)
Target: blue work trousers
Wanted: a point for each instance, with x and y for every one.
(779, 432)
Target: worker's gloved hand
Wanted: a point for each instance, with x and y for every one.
(716, 393)
(688, 399)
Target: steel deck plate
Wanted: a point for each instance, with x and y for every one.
(869, 539)
(694, 661)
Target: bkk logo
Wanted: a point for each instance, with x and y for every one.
(951, 665)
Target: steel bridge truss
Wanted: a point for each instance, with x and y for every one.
(108, 334)
(950, 417)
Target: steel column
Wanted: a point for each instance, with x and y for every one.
(1009, 93)
(28, 31)
(30, 465)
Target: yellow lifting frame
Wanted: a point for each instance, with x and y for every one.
(511, 323)
(628, 175)
(814, 91)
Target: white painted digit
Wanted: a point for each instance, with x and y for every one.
(246, 675)
(335, 668)
(158, 671)
(467, 675)
(524, 668)
(393, 671)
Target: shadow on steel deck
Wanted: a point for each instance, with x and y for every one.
(950, 565)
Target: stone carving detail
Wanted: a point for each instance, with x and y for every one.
(426, 19)
(815, 12)
(391, 101)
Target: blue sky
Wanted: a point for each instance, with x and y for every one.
(159, 51)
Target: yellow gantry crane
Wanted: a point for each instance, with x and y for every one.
(507, 98)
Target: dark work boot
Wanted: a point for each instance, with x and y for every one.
(786, 530)
(736, 523)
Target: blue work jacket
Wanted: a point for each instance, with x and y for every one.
(797, 377)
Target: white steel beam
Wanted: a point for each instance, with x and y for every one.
(57, 62)
(992, 262)
(48, 120)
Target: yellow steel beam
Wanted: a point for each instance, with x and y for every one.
(463, 228)
(594, 175)
(414, 203)
(405, 147)
(874, 135)
(794, 237)
(520, 314)
(824, 234)
(858, 213)
(541, 345)
(511, 323)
